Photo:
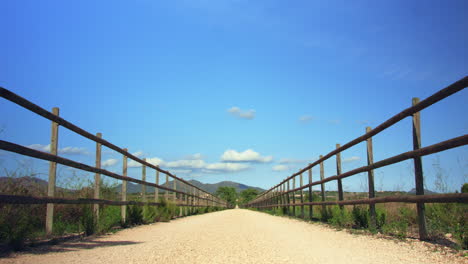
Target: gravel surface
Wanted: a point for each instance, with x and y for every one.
(234, 236)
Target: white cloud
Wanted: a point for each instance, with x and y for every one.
(246, 156)
(280, 168)
(306, 118)
(138, 154)
(65, 150)
(351, 159)
(181, 171)
(109, 162)
(133, 164)
(193, 164)
(195, 156)
(226, 167)
(236, 111)
(73, 150)
(292, 161)
(43, 148)
(154, 161)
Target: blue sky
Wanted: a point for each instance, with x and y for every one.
(248, 91)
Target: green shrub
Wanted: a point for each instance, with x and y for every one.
(340, 217)
(87, 220)
(360, 216)
(278, 211)
(381, 219)
(19, 222)
(464, 188)
(399, 226)
(165, 211)
(109, 217)
(326, 213)
(15, 227)
(448, 218)
(134, 215)
(396, 228)
(149, 214)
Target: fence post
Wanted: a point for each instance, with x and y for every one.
(174, 194)
(52, 174)
(156, 190)
(302, 198)
(322, 187)
(294, 195)
(186, 200)
(123, 208)
(311, 212)
(280, 197)
(143, 178)
(285, 201)
(97, 179)
(288, 199)
(370, 176)
(192, 199)
(338, 172)
(166, 192)
(418, 173)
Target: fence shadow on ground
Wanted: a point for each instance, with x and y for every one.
(75, 245)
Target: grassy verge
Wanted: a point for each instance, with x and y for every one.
(26, 223)
(444, 221)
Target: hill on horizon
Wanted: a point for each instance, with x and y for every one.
(40, 185)
(209, 187)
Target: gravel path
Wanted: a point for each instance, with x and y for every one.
(234, 236)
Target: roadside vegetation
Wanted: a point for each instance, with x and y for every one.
(447, 223)
(234, 198)
(25, 224)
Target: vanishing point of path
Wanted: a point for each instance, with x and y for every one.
(233, 236)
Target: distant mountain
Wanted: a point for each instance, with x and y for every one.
(413, 191)
(209, 187)
(212, 187)
(38, 186)
(32, 184)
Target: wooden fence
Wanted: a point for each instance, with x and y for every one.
(279, 195)
(188, 196)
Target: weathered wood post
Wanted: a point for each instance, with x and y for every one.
(156, 190)
(52, 174)
(294, 195)
(370, 179)
(311, 212)
(279, 200)
(97, 179)
(288, 208)
(338, 172)
(186, 200)
(281, 197)
(174, 194)
(192, 192)
(166, 192)
(285, 199)
(123, 208)
(418, 173)
(322, 189)
(143, 178)
(302, 197)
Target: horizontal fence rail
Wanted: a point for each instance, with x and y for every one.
(191, 197)
(279, 196)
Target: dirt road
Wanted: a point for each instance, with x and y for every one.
(234, 236)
